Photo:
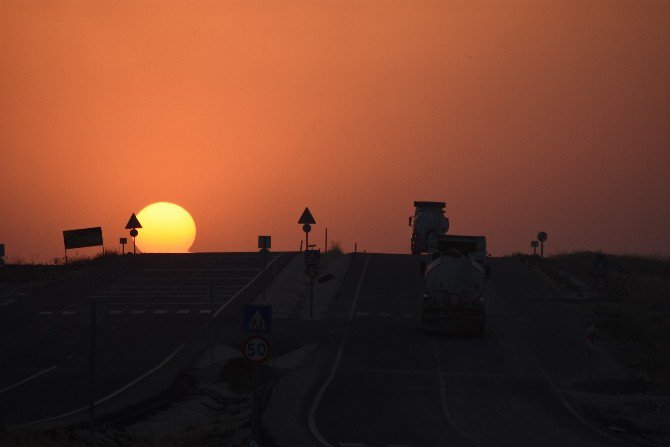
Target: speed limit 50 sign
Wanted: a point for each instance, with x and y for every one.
(256, 349)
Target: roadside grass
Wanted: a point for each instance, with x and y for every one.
(631, 313)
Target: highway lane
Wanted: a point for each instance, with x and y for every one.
(146, 316)
(392, 385)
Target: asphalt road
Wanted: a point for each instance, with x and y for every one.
(386, 383)
(149, 307)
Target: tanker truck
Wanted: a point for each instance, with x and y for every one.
(427, 224)
(456, 275)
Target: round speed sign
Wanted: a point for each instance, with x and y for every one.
(256, 349)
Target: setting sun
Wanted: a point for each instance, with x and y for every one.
(166, 228)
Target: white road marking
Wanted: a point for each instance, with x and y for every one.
(443, 401)
(115, 312)
(34, 376)
(69, 357)
(160, 311)
(205, 311)
(361, 314)
(45, 312)
(109, 396)
(319, 395)
(183, 311)
(67, 312)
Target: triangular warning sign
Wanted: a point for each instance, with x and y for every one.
(306, 217)
(257, 323)
(133, 223)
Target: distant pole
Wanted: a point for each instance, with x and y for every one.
(300, 246)
(355, 247)
(542, 249)
(254, 404)
(534, 251)
(264, 279)
(325, 245)
(306, 240)
(311, 298)
(211, 321)
(91, 366)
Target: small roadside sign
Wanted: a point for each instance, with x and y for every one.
(306, 217)
(2, 250)
(542, 236)
(133, 223)
(600, 282)
(534, 244)
(600, 267)
(312, 271)
(257, 319)
(312, 257)
(264, 242)
(256, 349)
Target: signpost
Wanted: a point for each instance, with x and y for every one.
(123, 241)
(590, 344)
(307, 220)
(256, 322)
(132, 225)
(84, 237)
(534, 245)
(264, 243)
(2, 254)
(312, 260)
(542, 237)
(600, 273)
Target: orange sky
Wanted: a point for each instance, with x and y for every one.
(522, 116)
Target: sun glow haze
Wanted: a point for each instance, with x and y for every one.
(166, 228)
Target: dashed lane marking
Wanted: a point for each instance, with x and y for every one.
(183, 311)
(137, 312)
(161, 311)
(205, 311)
(115, 312)
(45, 312)
(361, 314)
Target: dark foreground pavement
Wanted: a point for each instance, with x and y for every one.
(378, 380)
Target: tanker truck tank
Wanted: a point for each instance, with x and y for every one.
(427, 223)
(455, 283)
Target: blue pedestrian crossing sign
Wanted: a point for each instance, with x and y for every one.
(257, 319)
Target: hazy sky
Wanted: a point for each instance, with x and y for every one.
(521, 115)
